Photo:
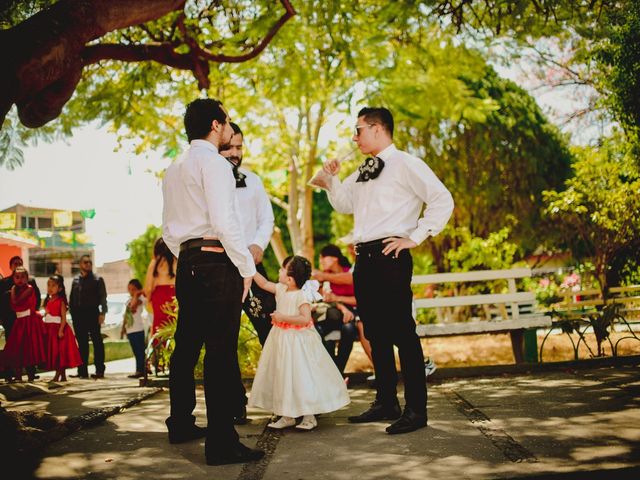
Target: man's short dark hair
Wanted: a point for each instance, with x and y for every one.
(379, 115)
(13, 259)
(236, 129)
(199, 116)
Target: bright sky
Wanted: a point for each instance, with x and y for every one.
(86, 172)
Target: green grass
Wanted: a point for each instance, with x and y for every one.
(113, 350)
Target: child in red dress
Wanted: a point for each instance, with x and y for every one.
(25, 345)
(62, 348)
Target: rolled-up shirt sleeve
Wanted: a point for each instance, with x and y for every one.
(219, 186)
(167, 236)
(265, 218)
(426, 185)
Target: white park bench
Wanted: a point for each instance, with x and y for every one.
(513, 312)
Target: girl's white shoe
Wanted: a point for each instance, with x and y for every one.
(308, 422)
(283, 422)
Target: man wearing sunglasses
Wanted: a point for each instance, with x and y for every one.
(88, 306)
(386, 196)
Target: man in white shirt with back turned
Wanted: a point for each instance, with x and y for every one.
(256, 216)
(386, 196)
(201, 226)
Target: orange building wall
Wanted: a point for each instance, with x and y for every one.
(6, 252)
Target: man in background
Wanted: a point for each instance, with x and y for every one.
(88, 306)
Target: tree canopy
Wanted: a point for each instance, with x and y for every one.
(598, 214)
(290, 71)
(61, 38)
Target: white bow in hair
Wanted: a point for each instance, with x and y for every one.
(311, 290)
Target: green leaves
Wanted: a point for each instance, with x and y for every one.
(598, 215)
(141, 251)
(494, 252)
(11, 156)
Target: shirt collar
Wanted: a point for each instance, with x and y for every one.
(203, 143)
(387, 152)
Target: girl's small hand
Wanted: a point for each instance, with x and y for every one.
(330, 297)
(61, 333)
(276, 317)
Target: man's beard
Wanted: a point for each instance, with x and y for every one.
(235, 160)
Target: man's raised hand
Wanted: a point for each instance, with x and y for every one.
(332, 167)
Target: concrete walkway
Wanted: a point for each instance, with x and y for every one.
(572, 424)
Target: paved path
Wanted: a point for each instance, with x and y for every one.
(565, 425)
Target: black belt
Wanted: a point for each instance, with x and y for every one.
(200, 242)
(371, 245)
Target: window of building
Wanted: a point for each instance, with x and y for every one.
(42, 267)
(44, 223)
(28, 222)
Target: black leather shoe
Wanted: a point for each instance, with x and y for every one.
(239, 454)
(241, 418)
(183, 435)
(79, 376)
(408, 422)
(96, 376)
(376, 412)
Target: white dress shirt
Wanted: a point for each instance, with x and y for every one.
(256, 213)
(390, 205)
(199, 193)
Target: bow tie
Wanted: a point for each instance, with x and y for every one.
(240, 178)
(370, 169)
(238, 175)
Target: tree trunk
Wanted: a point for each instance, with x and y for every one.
(278, 245)
(293, 223)
(306, 223)
(42, 56)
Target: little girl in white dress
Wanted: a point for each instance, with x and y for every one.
(296, 377)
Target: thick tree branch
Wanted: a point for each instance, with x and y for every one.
(42, 55)
(54, 47)
(161, 53)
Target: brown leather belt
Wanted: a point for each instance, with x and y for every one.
(370, 245)
(199, 243)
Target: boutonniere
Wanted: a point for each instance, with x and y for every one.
(255, 305)
(370, 169)
(240, 178)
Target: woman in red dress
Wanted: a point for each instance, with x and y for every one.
(62, 348)
(159, 288)
(159, 285)
(25, 345)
